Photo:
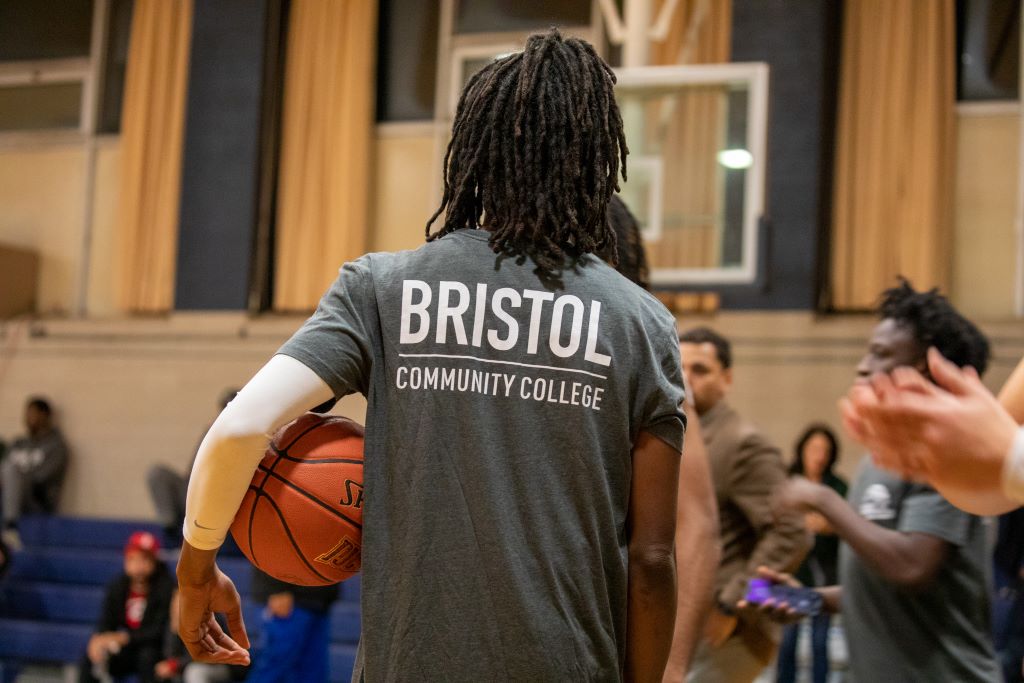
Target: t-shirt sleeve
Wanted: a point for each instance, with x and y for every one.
(337, 341)
(660, 396)
(925, 511)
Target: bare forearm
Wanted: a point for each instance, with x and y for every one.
(195, 566)
(831, 598)
(698, 551)
(650, 615)
(694, 597)
(890, 554)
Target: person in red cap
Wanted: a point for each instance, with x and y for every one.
(136, 610)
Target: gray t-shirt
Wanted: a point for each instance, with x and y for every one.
(940, 633)
(500, 422)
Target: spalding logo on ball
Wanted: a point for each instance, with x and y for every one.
(301, 520)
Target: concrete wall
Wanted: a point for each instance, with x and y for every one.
(130, 394)
(42, 194)
(985, 204)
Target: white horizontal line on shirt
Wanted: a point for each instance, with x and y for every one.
(500, 362)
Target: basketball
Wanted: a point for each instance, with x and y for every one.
(301, 519)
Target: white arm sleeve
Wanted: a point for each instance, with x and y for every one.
(1013, 469)
(281, 391)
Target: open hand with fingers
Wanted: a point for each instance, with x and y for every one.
(951, 431)
(204, 590)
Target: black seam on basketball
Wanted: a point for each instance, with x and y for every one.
(292, 458)
(319, 423)
(325, 506)
(288, 532)
(252, 512)
(252, 516)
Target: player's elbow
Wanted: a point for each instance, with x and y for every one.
(652, 564)
(913, 576)
(233, 429)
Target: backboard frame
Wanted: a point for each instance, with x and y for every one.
(755, 75)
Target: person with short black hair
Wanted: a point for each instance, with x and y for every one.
(913, 569)
(629, 257)
(32, 472)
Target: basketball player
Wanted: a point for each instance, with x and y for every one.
(913, 570)
(952, 433)
(697, 548)
(523, 428)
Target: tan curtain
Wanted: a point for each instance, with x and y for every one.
(324, 186)
(691, 137)
(895, 146)
(152, 130)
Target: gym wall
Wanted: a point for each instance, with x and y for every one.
(133, 393)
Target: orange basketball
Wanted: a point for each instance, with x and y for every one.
(301, 520)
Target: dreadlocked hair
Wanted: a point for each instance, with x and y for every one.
(632, 261)
(536, 149)
(935, 322)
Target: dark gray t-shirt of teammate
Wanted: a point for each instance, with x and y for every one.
(939, 633)
(501, 417)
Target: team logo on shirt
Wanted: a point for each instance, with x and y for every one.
(561, 329)
(452, 315)
(876, 504)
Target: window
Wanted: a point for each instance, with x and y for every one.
(52, 75)
(988, 48)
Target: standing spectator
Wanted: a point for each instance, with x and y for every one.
(130, 633)
(33, 471)
(816, 454)
(168, 488)
(296, 631)
(745, 469)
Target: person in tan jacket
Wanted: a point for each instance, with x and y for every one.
(746, 468)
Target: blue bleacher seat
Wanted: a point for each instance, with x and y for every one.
(54, 592)
(52, 602)
(345, 623)
(71, 532)
(342, 661)
(351, 589)
(66, 565)
(42, 641)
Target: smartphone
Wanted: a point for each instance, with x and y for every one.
(805, 601)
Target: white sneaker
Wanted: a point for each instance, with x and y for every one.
(12, 539)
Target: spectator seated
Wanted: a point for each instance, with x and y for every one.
(53, 594)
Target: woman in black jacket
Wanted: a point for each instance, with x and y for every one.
(817, 451)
